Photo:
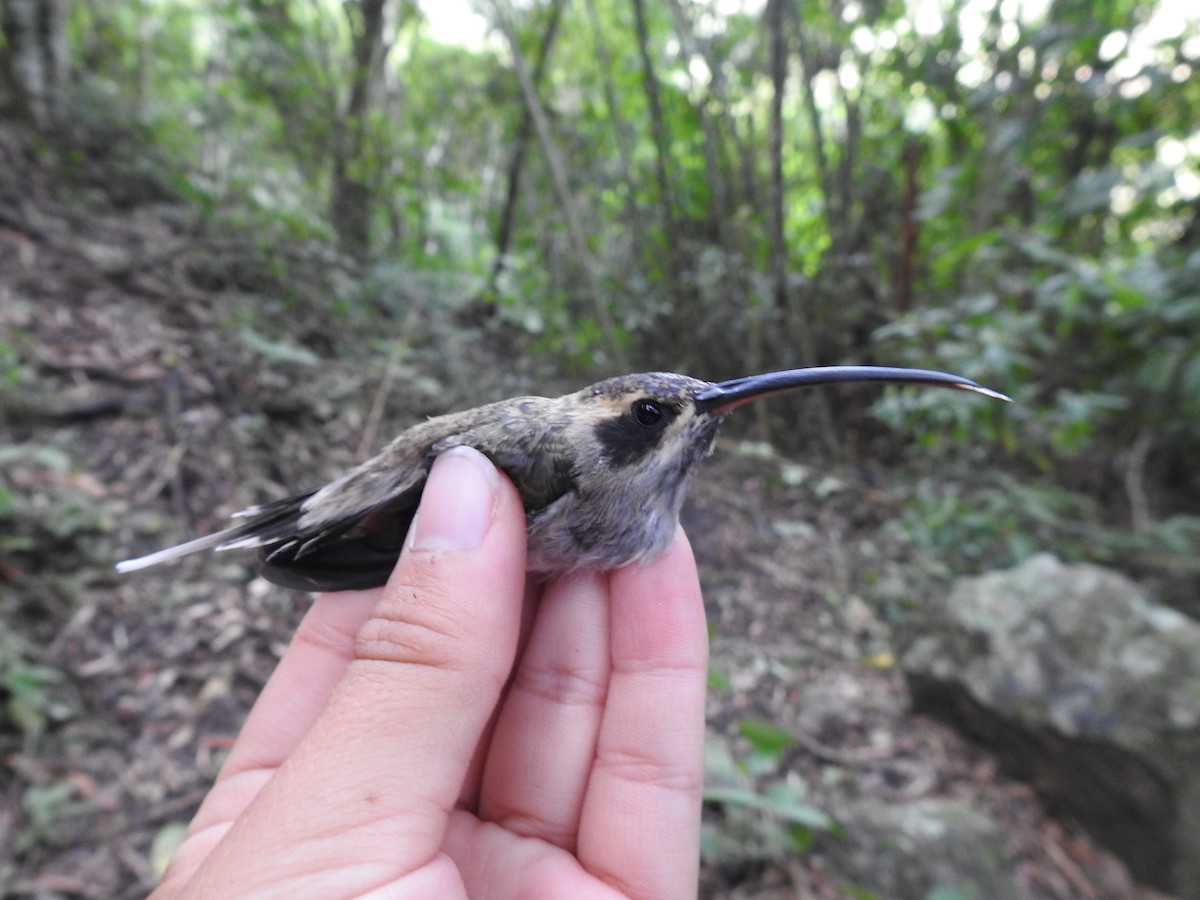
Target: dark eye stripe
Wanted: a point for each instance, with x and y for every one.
(635, 434)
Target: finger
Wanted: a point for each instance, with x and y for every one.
(496, 863)
(290, 701)
(468, 796)
(640, 825)
(541, 751)
(368, 789)
(293, 696)
(301, 684)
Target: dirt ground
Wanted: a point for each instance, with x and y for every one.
(149, 390)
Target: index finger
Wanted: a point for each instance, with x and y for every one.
(301, 684)
(364, 796)
(290, 702)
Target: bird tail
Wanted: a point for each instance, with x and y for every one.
(207, 542)
(263, 525)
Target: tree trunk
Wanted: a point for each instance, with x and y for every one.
(662, 148)
(910, 227)
(350, 200)
(508, 215)
(35, 60)
(712, 112)
(562, 188)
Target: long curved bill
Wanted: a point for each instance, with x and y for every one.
(722, 397)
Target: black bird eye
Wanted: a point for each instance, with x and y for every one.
(648, 413)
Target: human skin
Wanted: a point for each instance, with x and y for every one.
(461, 733)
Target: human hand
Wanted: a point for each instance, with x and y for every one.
(456, 734)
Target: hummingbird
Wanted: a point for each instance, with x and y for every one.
(602, 473)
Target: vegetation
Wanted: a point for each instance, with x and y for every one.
(1007, 190)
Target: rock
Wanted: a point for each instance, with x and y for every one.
(915, 848)
(1084, 687)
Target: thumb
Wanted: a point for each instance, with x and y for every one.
(368, 791)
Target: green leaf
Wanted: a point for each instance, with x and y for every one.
(279, 351)
(785, 808)
(718, 680)
(942, 892)
(166, 842)
(766, 737)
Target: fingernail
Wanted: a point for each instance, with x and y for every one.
(458, 502)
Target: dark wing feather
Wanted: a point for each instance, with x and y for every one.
(348, 555)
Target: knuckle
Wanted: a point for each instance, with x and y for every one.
(324, 636)
(526, 823)
(563, 685)
(653, 666)
(640, 768)
(409, 628)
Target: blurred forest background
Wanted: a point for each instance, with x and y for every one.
(244, 243)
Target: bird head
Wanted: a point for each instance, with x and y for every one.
(638, 440)
(635, 418)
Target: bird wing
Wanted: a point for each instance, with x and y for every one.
(345, 536)
(348, 534)
(357, 547)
